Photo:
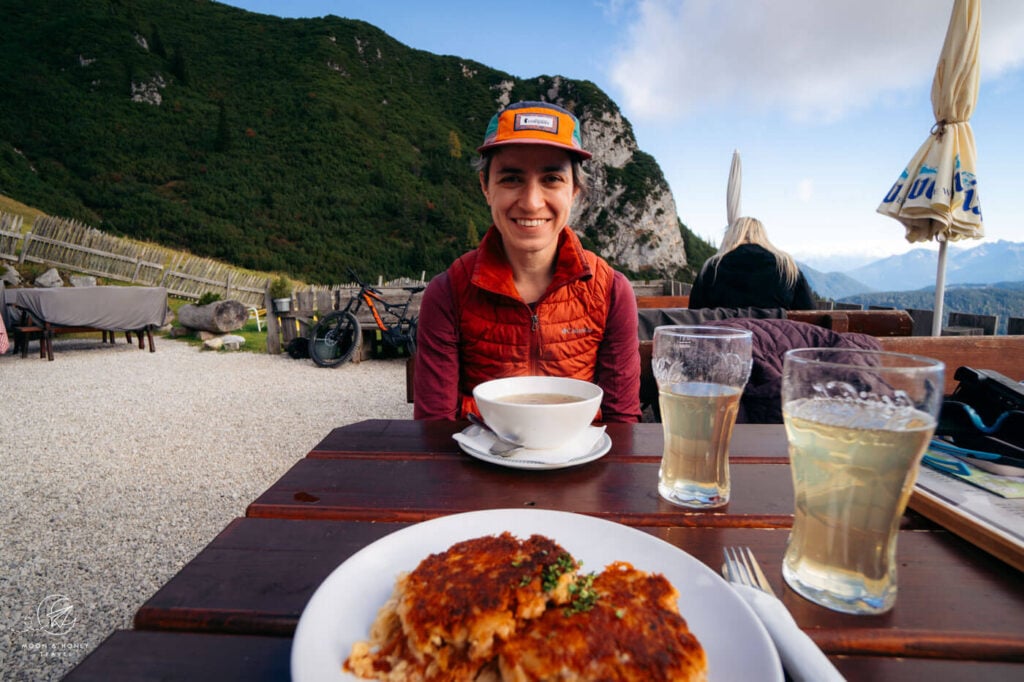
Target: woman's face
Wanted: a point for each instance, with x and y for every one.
(530, 191)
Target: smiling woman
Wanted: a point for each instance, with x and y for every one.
(530, 300)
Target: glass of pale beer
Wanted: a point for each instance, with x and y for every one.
(701, 372)
(857, 423)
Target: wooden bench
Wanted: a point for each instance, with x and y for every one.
(874, 322)
(662, 301)
(1003, 354)
(23, 334)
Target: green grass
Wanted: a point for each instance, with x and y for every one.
(14, 207)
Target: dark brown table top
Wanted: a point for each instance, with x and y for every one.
(258, 575)
(410, 439)
(959, 614)
(141, 656)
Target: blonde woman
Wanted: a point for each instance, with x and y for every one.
(748, 271)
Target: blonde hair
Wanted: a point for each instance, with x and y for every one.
(751, 231)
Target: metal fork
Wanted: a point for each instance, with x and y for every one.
(741, 567)
(801, 657)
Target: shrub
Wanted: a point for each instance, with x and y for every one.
(281, 288)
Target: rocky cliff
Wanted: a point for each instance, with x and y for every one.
(635, 228)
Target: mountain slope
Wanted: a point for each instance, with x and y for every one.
(300, 145)
(832, 285)
(981, 264)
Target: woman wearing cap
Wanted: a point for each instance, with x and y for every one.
(529, 299)
(748, 271)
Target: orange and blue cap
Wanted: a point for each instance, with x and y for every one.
(535, 123)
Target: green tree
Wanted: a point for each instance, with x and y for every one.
(179, 67)
(223, 142)
(157, 44)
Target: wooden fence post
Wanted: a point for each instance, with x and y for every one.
(273, 329)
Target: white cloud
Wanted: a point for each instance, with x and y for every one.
(805, 190)
(804, 58)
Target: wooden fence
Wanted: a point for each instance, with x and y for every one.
(190, 277)
(10, 235)
(71, 245)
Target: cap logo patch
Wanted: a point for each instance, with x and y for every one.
(543, 122)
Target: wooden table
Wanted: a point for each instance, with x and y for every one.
(231, 612)
(73, 310)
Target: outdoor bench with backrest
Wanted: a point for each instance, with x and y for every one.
(892, 328)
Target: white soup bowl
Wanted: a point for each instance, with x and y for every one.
(538, 426)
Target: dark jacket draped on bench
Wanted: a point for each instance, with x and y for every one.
(762, 398)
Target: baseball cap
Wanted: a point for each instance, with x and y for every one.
(535, 123)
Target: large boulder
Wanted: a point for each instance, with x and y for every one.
(49, 280)
(11, 277)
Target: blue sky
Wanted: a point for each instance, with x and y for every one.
(825, 101)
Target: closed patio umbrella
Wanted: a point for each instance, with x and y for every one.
(936, 195)
(732, 195)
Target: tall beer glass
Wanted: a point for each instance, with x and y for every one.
(701, 372)
(858, 423)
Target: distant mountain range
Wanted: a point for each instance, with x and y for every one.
(985, 264)
(987, 279)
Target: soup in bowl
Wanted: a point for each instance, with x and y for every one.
(538, 412)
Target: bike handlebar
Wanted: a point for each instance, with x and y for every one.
(360, 282)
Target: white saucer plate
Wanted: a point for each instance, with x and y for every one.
(530, 459)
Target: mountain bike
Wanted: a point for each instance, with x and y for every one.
(338, 335)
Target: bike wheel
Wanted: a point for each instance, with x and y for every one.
(335, 339)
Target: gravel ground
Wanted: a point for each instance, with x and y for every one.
(119, 465)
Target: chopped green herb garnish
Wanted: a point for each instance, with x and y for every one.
(583, 595)
(552, 572)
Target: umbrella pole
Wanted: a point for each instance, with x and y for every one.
(940, 290)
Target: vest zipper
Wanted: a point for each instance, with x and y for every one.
(534, 342)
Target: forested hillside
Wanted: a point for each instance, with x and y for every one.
(1004, 299)
(303, 146)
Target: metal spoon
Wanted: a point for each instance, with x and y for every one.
(503, 447)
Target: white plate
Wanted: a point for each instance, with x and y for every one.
(346, 603)
(527, 459)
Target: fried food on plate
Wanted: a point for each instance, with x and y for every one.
(499, 608)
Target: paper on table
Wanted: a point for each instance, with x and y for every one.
(801, 657)
(481, 440)
(1001, 515)
(1004, 486)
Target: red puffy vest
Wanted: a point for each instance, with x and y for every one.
(501, 335)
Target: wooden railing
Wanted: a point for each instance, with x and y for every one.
(873, 322)
(1003, 354)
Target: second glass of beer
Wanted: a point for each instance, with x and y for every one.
(701, 372)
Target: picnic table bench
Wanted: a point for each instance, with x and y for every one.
(45, 313)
